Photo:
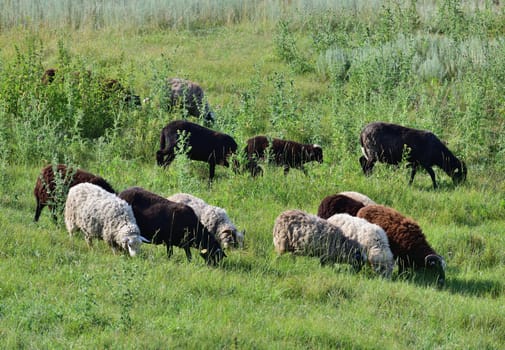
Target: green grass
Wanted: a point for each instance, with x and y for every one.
(262, 77)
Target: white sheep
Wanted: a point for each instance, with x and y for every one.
(305, 234)
(215, 219)
(100, 214)
(372, 238)
(360, 197)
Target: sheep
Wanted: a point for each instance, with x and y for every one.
(406, 240)
(175, 224)
(49, 186)
(289, 154)
(386, 143)
(190, 96)
(372, 238)
(215, 219)
(201, 143)
(338, 203)
(110, 87)
(305, 234)
(101, 214)
(360, 197)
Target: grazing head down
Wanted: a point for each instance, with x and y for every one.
(391, 143)
(406, 240)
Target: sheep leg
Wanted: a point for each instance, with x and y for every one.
(38, 210)
(188, 253)
(286, 170)
(412, 172)
(432, 175)
(212, 170)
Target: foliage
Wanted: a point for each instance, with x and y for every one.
(317, 75)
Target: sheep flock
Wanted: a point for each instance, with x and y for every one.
(349, 227)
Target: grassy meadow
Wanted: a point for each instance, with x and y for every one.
(306, 70)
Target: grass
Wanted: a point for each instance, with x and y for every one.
(284, 79)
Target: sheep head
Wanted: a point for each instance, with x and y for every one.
(132, 245)
(316, 153)
(437, 263)
(459, 174)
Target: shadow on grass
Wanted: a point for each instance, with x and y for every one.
(454, 285)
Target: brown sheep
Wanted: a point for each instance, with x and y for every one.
(46, 185)
(338, 204)
(289, 154)
(406, 240)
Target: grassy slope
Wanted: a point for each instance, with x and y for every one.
(55, 292)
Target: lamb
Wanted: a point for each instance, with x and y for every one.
(386, 143)
(305, 234)
(215, 219)
(203, 144)
(190, 96)
(49, 188)
(338, 203)
(289, 154)
(360, 197)
(406, 240)
(372, 238)
(101, 214)
(175, 224)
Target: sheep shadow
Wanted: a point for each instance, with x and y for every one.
(475, 288)
(454, 285)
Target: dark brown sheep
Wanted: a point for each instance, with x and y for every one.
(406, 240)
(285, 153)
(110, 87)
(190, 96)
(46, 185)
(384, 142)
(204, 144)
(338, 204)
(175, 224)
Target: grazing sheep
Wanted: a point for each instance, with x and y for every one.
(336, 204)
(46, 192)
(372, 238)
(110, 87)
(215, 219)
(190, 96)
(306, 234)
(289, 154)
(203, 144)
(386, 143)
(360, 197)
(175, 224)
(101, 214)
(406, 240)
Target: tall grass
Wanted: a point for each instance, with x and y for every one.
(311, 71)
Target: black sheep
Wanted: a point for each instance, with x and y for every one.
(285, 153)
(386, 143)
(203, 144)
(175, 224)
